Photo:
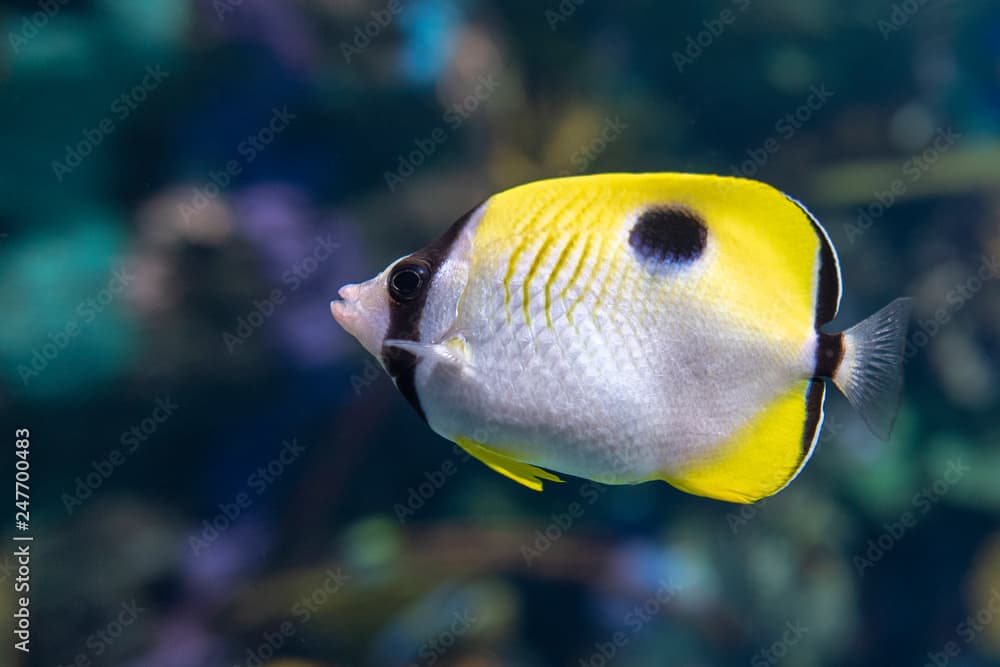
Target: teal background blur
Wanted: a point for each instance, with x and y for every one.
(220, 476)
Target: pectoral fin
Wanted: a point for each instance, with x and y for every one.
(451, 352)
(523, 473)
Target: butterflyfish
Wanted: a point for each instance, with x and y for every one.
(630, 327)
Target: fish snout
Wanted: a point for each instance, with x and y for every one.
(349, 292)
(345, 311)
(340, 313)
(363, 312)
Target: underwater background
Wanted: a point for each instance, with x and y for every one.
(221, 476)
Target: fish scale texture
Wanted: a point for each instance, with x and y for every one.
(630, 386)
(588, 359)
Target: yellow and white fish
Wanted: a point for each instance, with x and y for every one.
(630, 327)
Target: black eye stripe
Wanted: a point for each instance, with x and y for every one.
(405, 315)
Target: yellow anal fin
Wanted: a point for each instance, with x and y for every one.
(765, 455)
(522, 473)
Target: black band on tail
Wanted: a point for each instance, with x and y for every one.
(829, 354)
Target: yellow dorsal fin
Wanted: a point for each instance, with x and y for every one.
(522, 473)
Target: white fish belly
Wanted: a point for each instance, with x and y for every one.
(619, 384)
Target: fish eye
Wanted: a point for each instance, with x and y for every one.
(407, 280)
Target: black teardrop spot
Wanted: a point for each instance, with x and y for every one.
(669, 234)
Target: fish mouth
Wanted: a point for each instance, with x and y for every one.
(340, 313)
(362, 312)
(343, 307)
(343, 310)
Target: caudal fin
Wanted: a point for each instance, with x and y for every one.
(871, 373)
